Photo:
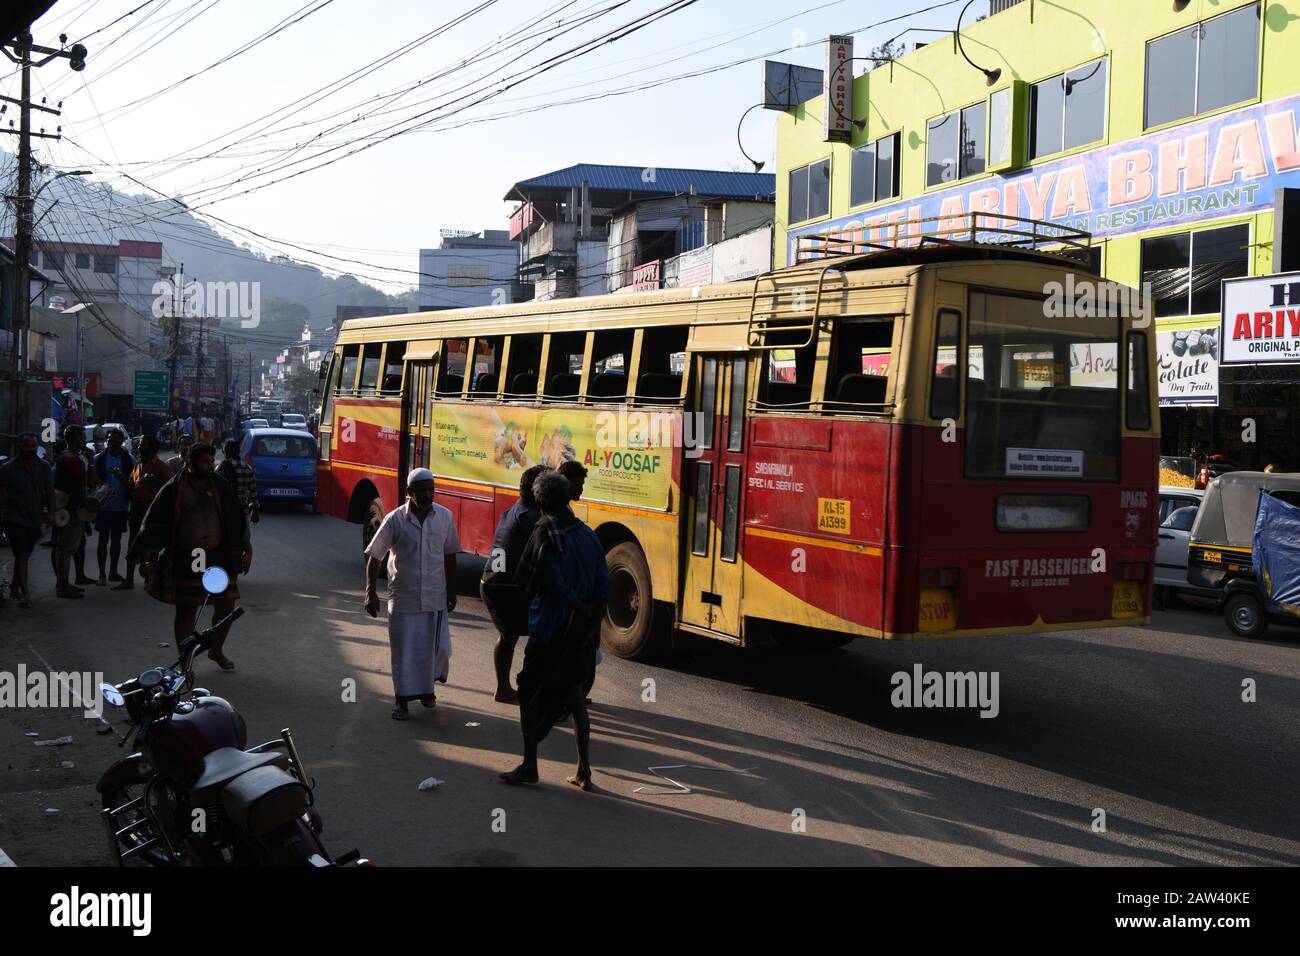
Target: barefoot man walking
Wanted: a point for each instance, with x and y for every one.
(421, 543)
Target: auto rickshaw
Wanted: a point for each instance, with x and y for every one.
(1245, 544)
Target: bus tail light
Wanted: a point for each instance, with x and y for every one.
(940, 577)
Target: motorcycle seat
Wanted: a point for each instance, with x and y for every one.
(225, 764)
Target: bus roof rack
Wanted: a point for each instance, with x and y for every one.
(979, 232)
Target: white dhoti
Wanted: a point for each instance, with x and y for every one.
(421, 649)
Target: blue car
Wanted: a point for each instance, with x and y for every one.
(284, 463)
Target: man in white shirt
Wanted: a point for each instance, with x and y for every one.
(421, 543)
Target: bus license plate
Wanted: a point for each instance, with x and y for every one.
(1126, 600)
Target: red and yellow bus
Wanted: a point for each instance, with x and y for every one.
(925, 439)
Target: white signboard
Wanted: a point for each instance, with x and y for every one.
(1260, 324)
(1045, 462)
(837, 90)
(1187, 366)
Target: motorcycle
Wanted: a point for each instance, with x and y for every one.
(191, 794)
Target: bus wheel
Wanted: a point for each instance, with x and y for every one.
(1244, 616)
(628, 627)
(374, 518)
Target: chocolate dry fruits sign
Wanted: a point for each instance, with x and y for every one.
(1187, 366)
(1261, 320)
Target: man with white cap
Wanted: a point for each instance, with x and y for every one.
(421, 543)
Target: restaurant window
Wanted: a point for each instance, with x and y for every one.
(611, 357)
(370, 368)
(348, 379)
(861, 360)
(956, 145)
(1204, 67)
(485, 378)
(786, 380)
(451, 368)
(873, 176)
(1068, 110)
(663, 365)
(392, 382)
(564, 368)
(521, 369)
(1185, 269)
(810, 191)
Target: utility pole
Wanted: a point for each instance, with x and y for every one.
(24, 202)
(173, 387)
(250, 381)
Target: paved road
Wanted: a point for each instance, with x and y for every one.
(1147, 724)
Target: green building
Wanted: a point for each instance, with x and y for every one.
(1168, 129)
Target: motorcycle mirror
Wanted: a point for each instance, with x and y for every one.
(151, 679)
(215, 580)
(111, 694)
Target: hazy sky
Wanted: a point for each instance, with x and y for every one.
(386, 201)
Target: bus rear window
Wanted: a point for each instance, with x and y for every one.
(284, 446)
(1042, 393)
(786, 382)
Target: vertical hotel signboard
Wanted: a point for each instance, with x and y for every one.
(837, 90)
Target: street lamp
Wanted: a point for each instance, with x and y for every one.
(758, 166)
(861, 124)
(56, 177)
(81, 386)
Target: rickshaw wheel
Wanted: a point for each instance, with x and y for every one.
(1244, 616)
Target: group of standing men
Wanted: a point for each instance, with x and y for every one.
(181, 516)
(546, 579)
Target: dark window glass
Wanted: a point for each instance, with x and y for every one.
(944, 394)
(819, 189)
(370, 367)
(1138, 401)
(54, 260)
(284, 446)
(887, 167)
(521, 371)
(862, 175)
(730, 512)
(663, 366)
(486, 375)
(703, 504)
(942, 136)
(83, 260)
(1207, 66)
(1186, 269)
(348, 381)
(1227, 71)
(564, 367)
(708, 400)
(799, 194)
(392, 383)
(1182, 519)
(736, 405)
(974, 139)
(1165, 261)
(1085, 104)
(1046, 107)
(451, 367)
(611, 358)
(106, 264)
(861, 360)
(1217, 254)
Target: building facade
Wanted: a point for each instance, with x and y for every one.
(469, 270)
(1168, 132)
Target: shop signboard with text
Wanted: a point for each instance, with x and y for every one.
(1261, 320)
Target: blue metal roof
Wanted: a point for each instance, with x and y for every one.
(656, 180)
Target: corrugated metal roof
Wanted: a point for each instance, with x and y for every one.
(656, 180)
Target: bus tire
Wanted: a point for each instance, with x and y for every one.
(1245, 616)
(374, 518)
(628, 628)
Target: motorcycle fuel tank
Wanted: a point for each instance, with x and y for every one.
(177, 745)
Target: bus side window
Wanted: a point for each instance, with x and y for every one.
(370, 368)
(564, 369)
(451, 368)
(1137, 404)
(521, 370)
(786, 380)
(861, 361)
(611, 359)
(485, 380)
(945, 394)
(392, 380)
(347, 383)
(663, 366)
